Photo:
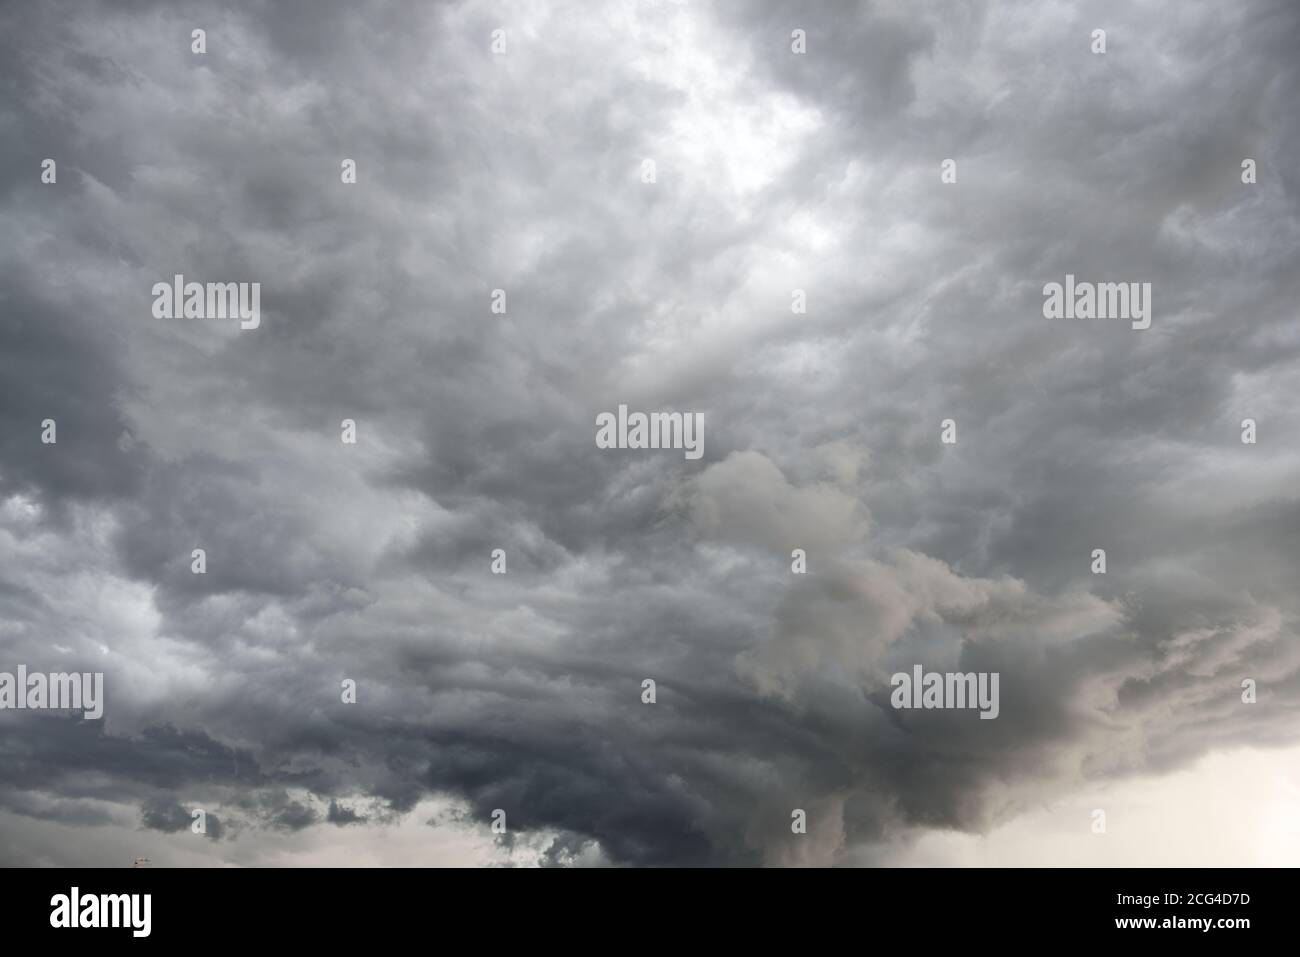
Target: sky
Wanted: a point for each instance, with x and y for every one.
(517, 161)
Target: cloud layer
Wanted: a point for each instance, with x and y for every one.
(522, 171)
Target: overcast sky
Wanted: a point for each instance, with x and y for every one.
(774, 171)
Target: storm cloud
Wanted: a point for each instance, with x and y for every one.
(523, 170)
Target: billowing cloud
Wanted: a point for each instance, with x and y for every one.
(775, 172)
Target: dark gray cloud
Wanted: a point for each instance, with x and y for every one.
(343, 816)
(162, 814)
(775, 172)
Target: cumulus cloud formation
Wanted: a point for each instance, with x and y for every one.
(522, 171)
